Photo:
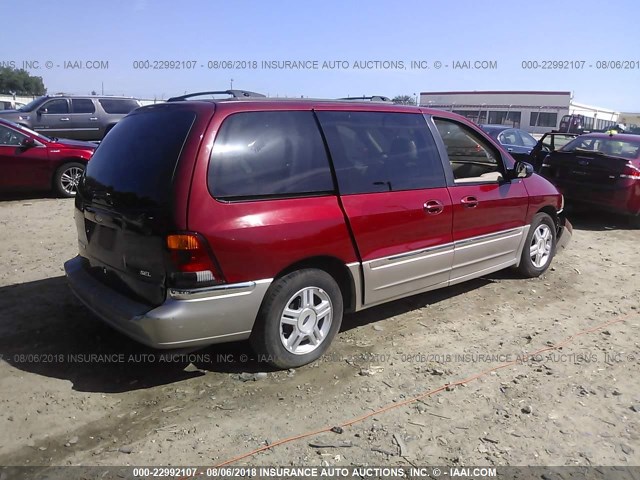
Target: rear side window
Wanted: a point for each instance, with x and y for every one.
(82, 105)
(258, 154)
(137, 160)
(381, 151)
(118, 105)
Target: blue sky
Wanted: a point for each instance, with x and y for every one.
(507, 32)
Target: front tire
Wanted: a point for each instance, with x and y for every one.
(67, 178)
(539, 248)
(299, 317)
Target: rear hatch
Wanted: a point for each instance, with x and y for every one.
(128, 199)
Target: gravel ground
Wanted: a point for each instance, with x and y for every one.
(72, 391)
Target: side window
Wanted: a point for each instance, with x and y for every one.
(527, 140)
(510, 137)
(259, 154)
(59, 105)
(472, 158)
(120, 106)
(381, 152)
(82, 105)
(9, 137)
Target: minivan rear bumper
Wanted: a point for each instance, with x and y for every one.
(187, 318)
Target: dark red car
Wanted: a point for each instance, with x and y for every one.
(600, 170)
(30, 161)
(202, 222)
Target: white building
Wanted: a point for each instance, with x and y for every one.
(532, 111)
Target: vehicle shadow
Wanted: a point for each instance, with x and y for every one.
(45, 330)
(583, 218)
(415, 302)
(16, 196)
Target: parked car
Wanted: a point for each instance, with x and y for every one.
(517, 142)
(202, 222)
(599, 170)
(550, 142)
(30, 161)
(74, 117)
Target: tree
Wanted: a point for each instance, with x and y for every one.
(20, 82)
(404, 100)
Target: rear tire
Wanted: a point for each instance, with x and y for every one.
(539, 247)
(299, 317)
(67, 178)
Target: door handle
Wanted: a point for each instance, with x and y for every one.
(64, 119)
(509, 149)
(433, 207)
(93, 119)
(469, 202)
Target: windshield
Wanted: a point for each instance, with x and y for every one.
(28, 130)
(32, 105)
(605, 146)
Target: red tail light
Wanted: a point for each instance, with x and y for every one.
(631, 172)
(192, 262)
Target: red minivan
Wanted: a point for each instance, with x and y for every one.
(208, 221)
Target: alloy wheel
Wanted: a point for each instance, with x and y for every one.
(70, 179)
(306, 320)
(541, 244)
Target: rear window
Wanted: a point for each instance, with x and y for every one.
(115, 105)
(607, 146)
(138, 158)
(263, 154)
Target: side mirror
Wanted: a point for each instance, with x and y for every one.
(522, 170)
(41, 111)
(28, 143)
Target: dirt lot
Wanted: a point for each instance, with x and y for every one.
(134, 406)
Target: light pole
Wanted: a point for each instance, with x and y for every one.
(232, 84)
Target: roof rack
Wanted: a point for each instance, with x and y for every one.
(232, 93)
(374, 98)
